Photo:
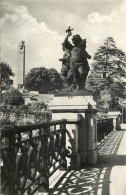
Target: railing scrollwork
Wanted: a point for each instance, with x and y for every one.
(30, 155)
(104, 127)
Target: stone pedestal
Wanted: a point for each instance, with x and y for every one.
(80, 111)
(91, 136)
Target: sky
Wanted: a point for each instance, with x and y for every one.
(42, 25)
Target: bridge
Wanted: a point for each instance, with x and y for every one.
(79, 154)
(32, 154)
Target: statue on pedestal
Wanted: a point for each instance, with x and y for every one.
(67, 47)
(75, 66)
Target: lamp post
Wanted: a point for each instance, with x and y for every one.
(22, 48)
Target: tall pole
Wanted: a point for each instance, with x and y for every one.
(22, 47)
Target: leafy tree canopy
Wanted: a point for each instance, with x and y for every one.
(55, 80)
(109, 52)
(43, 80)
(6, 71)
(108, 71)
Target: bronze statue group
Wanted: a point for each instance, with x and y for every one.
(75, 66)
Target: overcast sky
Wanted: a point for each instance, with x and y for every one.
(42, 24)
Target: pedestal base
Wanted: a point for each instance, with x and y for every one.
(76, 161)
(80, 112)
(89, 157)
(116, 121)
(92, 156)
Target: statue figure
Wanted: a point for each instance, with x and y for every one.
(85, 56)
(75, 60)
(67, 47)
(75, 66)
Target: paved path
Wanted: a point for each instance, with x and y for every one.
(108, 177)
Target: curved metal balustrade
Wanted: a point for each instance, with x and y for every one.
(30, 155)
(104, 127)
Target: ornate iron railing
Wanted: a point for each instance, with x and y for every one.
(104, 127)
(30, 155)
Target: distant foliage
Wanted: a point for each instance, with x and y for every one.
(114, 104)
(32, 113)
(12, 97)
(108, 71)
(5, 73)
(55, 80)
(43, 80)
(35, 107)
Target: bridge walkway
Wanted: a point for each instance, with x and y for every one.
(107, 177)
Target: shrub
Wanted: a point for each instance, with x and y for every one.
(12, 97)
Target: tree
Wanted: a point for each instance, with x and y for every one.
(6, 73)
(108, 71)
(109, 57)
(55, 80)
(38, 80)
(43, 80)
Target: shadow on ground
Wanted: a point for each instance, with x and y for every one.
(93, 180)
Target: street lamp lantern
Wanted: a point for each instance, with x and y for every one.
(22, 48)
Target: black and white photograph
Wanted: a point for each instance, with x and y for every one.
(63, 97)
